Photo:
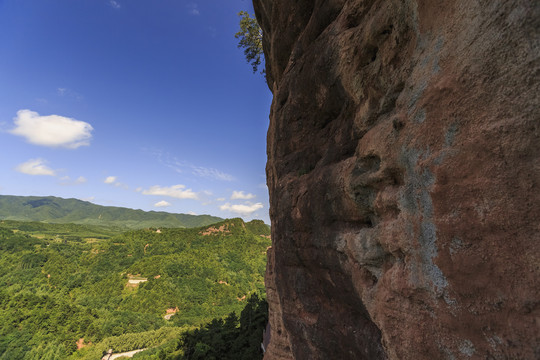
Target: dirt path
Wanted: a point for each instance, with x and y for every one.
(126, 354)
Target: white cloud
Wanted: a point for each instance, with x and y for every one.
(114, 4)
(175, 191)
(220, 199)
(192, 213)
(240, 195)
(193, 9)
(246, 209)
(89, 199)
(69, 93)
(162, 203)
(211, 173)
(35, 167)
(51, 130)
(66, 180)
(184, 166)
(110, 180)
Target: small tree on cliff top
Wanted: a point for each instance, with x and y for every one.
(250, 36)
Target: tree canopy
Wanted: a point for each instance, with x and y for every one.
(250, 36)
(68, 286)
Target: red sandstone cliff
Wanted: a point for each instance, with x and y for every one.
(404, 170)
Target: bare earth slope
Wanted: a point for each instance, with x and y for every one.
(404, 170)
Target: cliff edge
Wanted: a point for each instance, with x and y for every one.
(403, 169)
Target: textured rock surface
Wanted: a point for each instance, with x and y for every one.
(404, 170)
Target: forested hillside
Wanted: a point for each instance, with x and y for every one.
(57, 210)
(64, 287)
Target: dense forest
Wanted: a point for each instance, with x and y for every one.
(74, 291)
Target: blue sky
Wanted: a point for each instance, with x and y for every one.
(146, 104)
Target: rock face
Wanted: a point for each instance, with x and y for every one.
(404, 170)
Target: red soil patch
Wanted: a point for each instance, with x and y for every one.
(80, 344)
(213, 230)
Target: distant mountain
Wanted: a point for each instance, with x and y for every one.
(52, 209)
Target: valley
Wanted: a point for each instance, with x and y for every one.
(75, 291)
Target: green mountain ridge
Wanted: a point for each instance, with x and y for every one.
(51, 209)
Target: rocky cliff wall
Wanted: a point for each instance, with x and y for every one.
(403, 169)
